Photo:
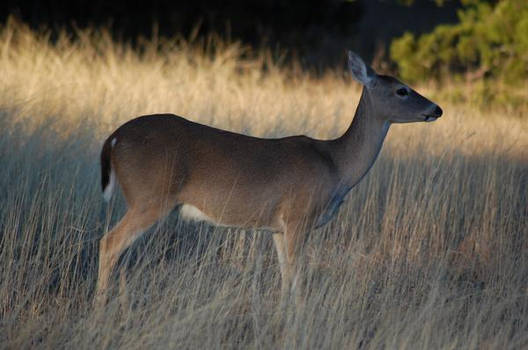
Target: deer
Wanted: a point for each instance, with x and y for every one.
(285, 186)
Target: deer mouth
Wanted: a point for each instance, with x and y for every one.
(430, 118)
(433, 115)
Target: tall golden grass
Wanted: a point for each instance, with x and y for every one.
(430, 250)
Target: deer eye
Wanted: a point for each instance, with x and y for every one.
(402, 92)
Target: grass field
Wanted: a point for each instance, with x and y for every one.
(430, 250)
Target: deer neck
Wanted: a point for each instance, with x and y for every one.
(358, 148)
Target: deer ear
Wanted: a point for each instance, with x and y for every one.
(359, 70)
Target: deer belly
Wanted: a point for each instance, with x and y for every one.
(191, 213)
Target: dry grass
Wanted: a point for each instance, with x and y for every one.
(429, 252)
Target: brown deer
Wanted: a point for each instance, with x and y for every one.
(286, 185)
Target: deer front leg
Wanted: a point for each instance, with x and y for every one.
(287, 245)
(285, 269)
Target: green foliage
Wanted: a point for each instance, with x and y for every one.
(490, 42)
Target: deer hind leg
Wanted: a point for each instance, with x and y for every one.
(135, 222)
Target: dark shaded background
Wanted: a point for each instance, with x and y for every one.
(316, 32)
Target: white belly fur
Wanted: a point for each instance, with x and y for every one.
(191, 213)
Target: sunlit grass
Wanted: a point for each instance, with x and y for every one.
(430, 250)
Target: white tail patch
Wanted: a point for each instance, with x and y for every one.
(109, 189)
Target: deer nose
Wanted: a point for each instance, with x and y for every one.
(438, 112)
